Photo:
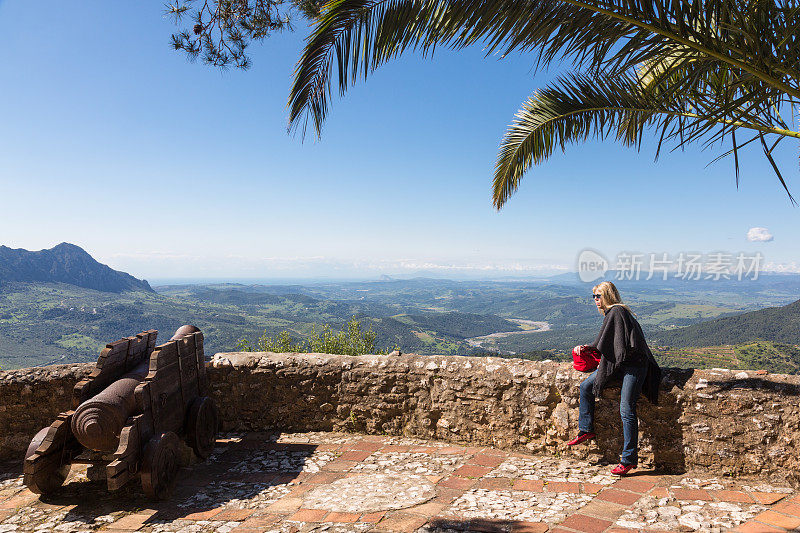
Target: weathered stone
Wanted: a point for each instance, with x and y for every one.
(724, 422)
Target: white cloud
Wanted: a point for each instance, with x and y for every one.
(759, 235)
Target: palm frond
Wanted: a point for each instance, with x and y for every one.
(615, 35)
(696, 70)
(577, 107)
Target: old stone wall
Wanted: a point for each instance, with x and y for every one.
(726, 422)
(31, 398)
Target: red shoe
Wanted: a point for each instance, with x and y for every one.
(581, 438)
(622, 469)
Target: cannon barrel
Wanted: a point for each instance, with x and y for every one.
(98, 421)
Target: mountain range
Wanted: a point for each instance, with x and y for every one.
(65, 263)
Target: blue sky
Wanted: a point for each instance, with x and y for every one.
(165, 168)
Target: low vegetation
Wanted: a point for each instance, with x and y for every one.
(352, 340)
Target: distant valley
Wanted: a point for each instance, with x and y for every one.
(70, 315)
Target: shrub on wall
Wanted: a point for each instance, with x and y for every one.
(352, 340)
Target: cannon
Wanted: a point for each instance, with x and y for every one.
(129, 416)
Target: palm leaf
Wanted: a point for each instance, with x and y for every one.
(577, 107)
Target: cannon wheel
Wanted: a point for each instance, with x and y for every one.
(201, 431)
(160, 465)
(50, 478)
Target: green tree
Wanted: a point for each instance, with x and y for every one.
(219, 31)
(707, 71)
(352, 340)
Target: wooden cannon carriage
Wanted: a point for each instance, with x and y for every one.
(129, 415)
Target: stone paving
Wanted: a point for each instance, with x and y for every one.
(344, 483)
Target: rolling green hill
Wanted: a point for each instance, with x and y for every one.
(43, 323)
(702, 325)
(776, 324)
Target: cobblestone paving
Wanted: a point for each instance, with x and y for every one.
(553, 469)
(345, 483)
(370, 493)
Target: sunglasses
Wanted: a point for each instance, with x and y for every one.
(596, 296)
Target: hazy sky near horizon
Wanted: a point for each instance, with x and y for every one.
(165, 168)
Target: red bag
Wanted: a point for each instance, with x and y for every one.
(585, 358)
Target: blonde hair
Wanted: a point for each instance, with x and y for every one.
(609, 297)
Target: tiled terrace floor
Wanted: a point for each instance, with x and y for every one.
(353, 483)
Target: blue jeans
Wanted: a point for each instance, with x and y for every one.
(632, 381)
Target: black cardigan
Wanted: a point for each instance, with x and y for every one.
(621, 340)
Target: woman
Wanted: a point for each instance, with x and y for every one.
(625, 356)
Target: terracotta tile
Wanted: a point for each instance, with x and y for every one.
(346, 518)
(452, 450)
(645, 477)
(731, 496)
(308, 515)
(446, 495)
(488, 525)
(587, 524)
(365, 446)
(494, 451)
(619, 530)
(22, 499)
(284, 505)
(471, 471)
(329, 447)
(234, 515)
(395, 448)
(796, 499)
(324, 478)
(434, 479)
(375, 438)
(659, 492)
(423, 449)
(457, 483)
(202, 515)
(603, 509)
(621, 497)
(5, 513)
(691, 494)
(529, 527)
(533, 485)
(788, 507)
(131, 522)
(634, 484)
(372, 518)
(767, 498)
(299, 490)
(402, 523)
(592, 488)
(426, 509)
(495, 483)
(340, 465)
(560, 530)
(354, 456)
(779, 519)
(260, 522)
(448, 522)
(486, 460)
(563, 486)
(285, 478)
(757, 527)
